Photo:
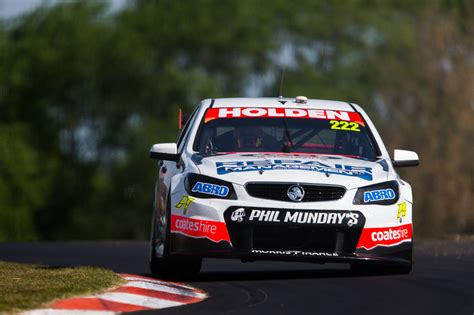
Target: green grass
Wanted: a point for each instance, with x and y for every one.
(31, 286)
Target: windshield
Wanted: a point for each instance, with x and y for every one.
(270, 130)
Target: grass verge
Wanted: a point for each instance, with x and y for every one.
(31, 286)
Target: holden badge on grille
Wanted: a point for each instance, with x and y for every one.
(295, 193)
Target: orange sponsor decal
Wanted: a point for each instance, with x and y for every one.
(385, 236)
(214, 230)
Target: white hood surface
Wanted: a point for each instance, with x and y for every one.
(298, 168)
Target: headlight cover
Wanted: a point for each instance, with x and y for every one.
(386, 193)
(208, 187)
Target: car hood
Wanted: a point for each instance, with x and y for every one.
(300, 168)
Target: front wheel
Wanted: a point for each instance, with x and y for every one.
(163, 264)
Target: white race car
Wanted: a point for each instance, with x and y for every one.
(280, 179)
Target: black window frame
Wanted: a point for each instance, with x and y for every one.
(184, 131)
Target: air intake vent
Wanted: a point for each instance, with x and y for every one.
(279, 191)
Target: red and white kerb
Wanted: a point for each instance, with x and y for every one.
(261, 112)
(138, 294)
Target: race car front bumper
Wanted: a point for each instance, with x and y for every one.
(255, 233)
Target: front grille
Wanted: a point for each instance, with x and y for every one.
(278, 191)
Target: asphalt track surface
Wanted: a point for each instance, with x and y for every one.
(442, 281)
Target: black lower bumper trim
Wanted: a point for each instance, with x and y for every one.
(186, 246)
(323, 231)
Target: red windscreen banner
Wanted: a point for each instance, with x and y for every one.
(264, 112)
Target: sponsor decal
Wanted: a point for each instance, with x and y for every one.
(280, 164)
(259, 112)
(293, 253)
(238, 215)
(185, 202)
(385, 236)
(344, 125)
(293, 155)
(385, 193)
(302, 217)
(295, 193)
(211, 189)
(402, 211)
(214, 230)
(381, 194)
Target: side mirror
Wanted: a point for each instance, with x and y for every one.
(405, 158)
(164, 151)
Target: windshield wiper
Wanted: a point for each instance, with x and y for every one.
(285, 148)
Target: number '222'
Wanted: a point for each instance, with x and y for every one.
(344, 125)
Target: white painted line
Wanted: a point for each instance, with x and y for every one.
(50, 311)
(140, 300)
(160, 282)
(164, 288)
(384, 245)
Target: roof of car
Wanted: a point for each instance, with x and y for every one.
(281, 102)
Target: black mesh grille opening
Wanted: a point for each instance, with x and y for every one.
(294, 238)
(276, 191)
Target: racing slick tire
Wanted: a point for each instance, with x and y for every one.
(170, 266)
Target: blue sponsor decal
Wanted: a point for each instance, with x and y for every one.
(211, 189)
(377, 195)
(314, 166)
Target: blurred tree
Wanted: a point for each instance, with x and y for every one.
(22, 185)
(98, 90)
(435, 115)
(410, 64)
(84, 93)
(50, 81)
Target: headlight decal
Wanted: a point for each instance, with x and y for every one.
(211, 189)
(386, 193)
(381, 194)
(208, 187)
